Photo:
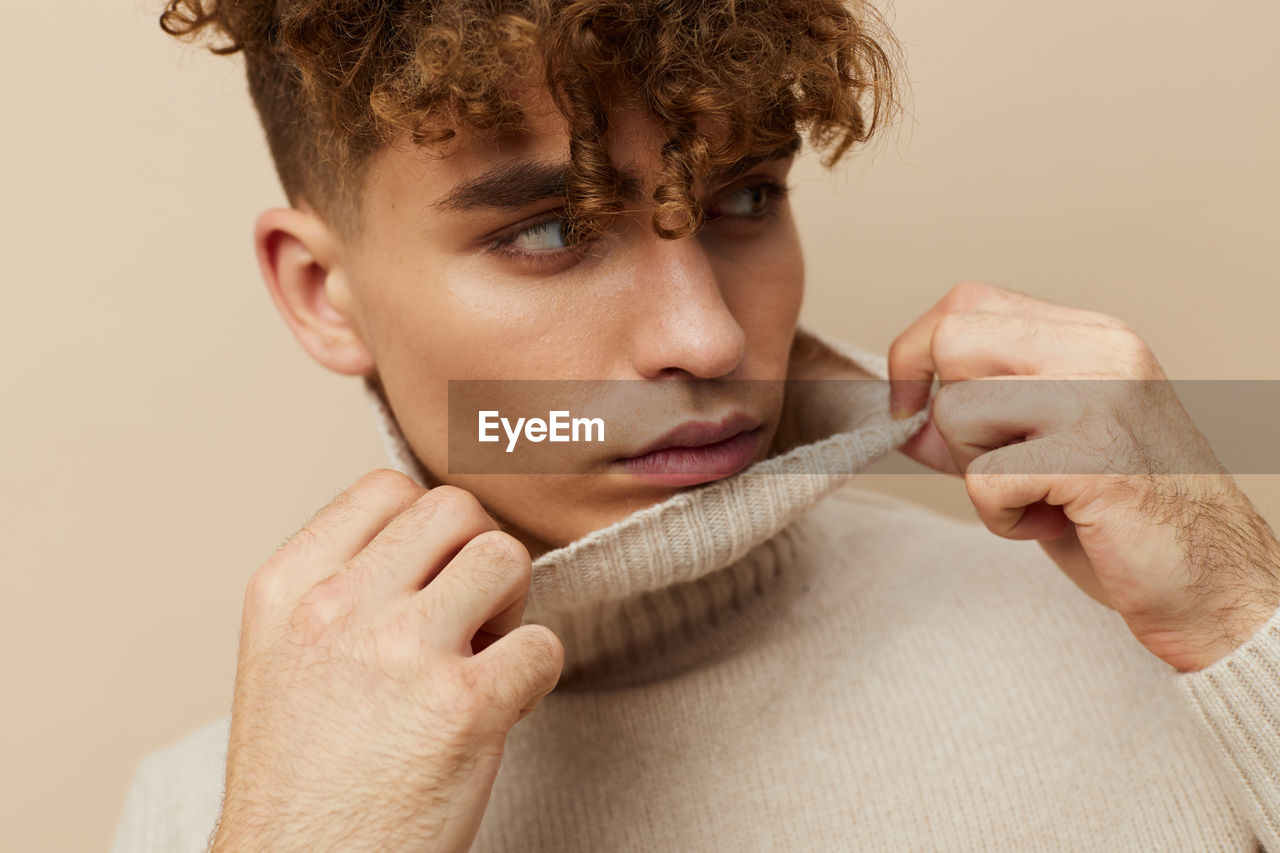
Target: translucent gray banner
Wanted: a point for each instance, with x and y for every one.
(690, 429)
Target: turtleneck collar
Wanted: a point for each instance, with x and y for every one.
(679, 582)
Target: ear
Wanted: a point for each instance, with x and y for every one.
(301, 262)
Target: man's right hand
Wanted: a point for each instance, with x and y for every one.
(382, 663)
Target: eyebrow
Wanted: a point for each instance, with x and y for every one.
(524, 182)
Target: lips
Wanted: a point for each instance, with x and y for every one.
(697, 452)
(701, 433)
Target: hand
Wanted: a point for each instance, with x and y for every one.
(1083, 466)
(382, 663)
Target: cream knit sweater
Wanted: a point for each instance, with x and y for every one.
(777, 661)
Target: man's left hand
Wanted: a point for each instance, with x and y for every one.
(1112, 478)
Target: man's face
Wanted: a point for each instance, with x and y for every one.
(459, 277)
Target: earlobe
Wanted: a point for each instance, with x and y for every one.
(300, 259)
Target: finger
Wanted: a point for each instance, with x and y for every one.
(342, 528)
(970, 418)
(522, 667)
(1003, 486)
(928, 447)
(914, 356)
(414, 546)
(483, 588)
(952, 346)
(911, 365)
(976, 295)
(978, 344)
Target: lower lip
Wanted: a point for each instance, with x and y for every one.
(689, 466)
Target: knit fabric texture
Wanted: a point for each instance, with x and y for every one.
(782, 661)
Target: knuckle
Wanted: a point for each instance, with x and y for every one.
(498, 561)
(531, 664)
(457, 504)
(948, 324)
(543, 649)
(976, 473)
(445, 510)
(948, 332)
(944, 403)
(323, 607)
(895, 350)
(1132, 341)
(1107, 321)
(266, 587)
(385, 480)
(1132, 348)
(501, 549)
(968, 294)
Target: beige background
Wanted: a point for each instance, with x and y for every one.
(163, 432)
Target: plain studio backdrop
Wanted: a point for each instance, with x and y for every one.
(164, 432)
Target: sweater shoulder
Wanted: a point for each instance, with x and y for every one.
(175, 795)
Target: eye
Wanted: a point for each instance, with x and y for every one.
(756, 201)
(542, 246)
(546, 243)
(547, 235)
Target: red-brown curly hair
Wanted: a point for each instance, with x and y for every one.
(335, 80)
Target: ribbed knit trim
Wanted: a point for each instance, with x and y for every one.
(1235, 699)
(680, 581)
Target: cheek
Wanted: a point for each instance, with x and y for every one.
(765, 292)
(785, 268)
(463, 326)
(460, 327)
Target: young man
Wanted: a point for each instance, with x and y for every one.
(725, 650)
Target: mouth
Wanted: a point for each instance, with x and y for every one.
(697, 452)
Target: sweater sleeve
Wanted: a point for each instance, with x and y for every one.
(131, 829)
(1236, 702)
(175, 796)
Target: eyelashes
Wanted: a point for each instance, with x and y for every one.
(773, 191)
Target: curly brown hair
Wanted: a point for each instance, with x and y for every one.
(335, 80)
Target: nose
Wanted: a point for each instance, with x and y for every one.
(683, 325)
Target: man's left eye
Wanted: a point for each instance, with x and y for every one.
(754, 201)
